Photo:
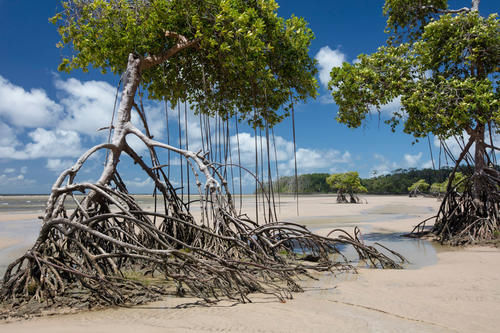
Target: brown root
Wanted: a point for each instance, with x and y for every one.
(465, 218)
(109, 251)
(102, 248)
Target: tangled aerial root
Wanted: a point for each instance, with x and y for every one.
(113, 252)
(107, 250)
(464, 219)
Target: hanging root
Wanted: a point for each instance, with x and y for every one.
(105, 249)
(467, 219)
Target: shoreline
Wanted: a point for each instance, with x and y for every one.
(459, 292)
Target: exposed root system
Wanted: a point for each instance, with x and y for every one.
(109, 251)
(102, 248)
(465, 218)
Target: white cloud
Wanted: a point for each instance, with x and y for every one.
(326, 99)
(413, 160)
(57, 165)
(308, 160)
(88, 105)
(327, 59)
(14, 180)
(9, 170)
(27, 108)
(427, 165)
(383, 167)
(8, 136)
(314, 159)
(389, 108)
(140, 183)
(45, 143)
(455, 144)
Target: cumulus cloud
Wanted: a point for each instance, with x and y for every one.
(27, 108)
(308, 160)
(455, 144)
(327, 59)
(8, 136)
(9, 180)
(383, 166)
(88, 105)
(428, 165)
(326, 99)
(45, 143)
(413, 160)
(57, 165)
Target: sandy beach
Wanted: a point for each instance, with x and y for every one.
(442, 290)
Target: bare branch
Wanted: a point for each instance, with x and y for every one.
(182, 44)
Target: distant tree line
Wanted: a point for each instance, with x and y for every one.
(400, 180)
(396, 182)
(307, 183)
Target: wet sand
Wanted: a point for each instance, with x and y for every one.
(445, 290)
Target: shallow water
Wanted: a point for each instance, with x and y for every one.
(18, 235)
(418, 252)
(31, 203)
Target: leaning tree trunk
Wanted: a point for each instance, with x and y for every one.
(472, 215)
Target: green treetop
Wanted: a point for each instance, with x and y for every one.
(443, 64)
(346, 183)
(235, 54)
(419, 186)
(457, 184)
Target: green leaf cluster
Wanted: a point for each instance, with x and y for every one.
(247, 59)
(444, 67)
(420, 185)
(348, 182)
(458, 184)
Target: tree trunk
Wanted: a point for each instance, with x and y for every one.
(131, 83)
(479, 166)
(475, 5)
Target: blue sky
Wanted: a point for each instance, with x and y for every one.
(47, 119)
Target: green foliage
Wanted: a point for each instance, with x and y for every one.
(446, 71)
(348, 182)
(438, 188)
(246, 56)
(397, 182)
(407, 18)
(307, 183)
(400, 180)
(458, 184)
(421, 185)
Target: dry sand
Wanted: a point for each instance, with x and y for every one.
(459, 292)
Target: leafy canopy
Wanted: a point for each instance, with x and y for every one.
(245, 56)
(348, 182)
(420, 185)
(458, 183)
(444, 66)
